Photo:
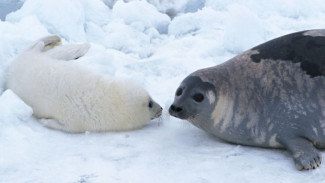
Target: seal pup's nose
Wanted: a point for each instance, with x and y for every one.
(158, 114)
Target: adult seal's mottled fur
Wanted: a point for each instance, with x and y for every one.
(272, 95)
(70, 98)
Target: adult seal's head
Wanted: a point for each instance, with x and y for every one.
(193, 98)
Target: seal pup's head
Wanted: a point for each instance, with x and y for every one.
(133, 106)
(193, 98)
(154, 108)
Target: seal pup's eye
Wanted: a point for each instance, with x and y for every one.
(179, 92)
(198, 97)
(150, 104)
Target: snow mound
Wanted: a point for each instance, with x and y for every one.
(141, 14)
(137, 40)
(243, 29)
(13, 109)
(63, 17)
(53, 16)
(96, 12)
(202, 21)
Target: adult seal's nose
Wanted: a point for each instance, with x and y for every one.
(174, 110)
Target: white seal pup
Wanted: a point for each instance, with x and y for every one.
(272, 95)
(68, 97)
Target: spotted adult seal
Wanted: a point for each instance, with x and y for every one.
(272, 95)
(68, 97)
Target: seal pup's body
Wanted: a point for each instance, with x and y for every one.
(270, 96)
(68, 97)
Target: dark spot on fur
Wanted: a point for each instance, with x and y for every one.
(179, 92)
(309, 51)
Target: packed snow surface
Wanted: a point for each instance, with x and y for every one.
(156, 44)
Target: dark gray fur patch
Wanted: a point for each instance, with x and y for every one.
(298, 47)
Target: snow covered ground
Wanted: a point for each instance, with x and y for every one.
(156, 43)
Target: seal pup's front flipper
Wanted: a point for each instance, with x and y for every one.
(68, 51)
(305, 155)
(53, 124)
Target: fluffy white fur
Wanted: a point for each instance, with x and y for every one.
(70, 98)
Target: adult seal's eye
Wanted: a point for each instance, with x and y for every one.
(198, 97)
(179, 91)
(150, 104)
